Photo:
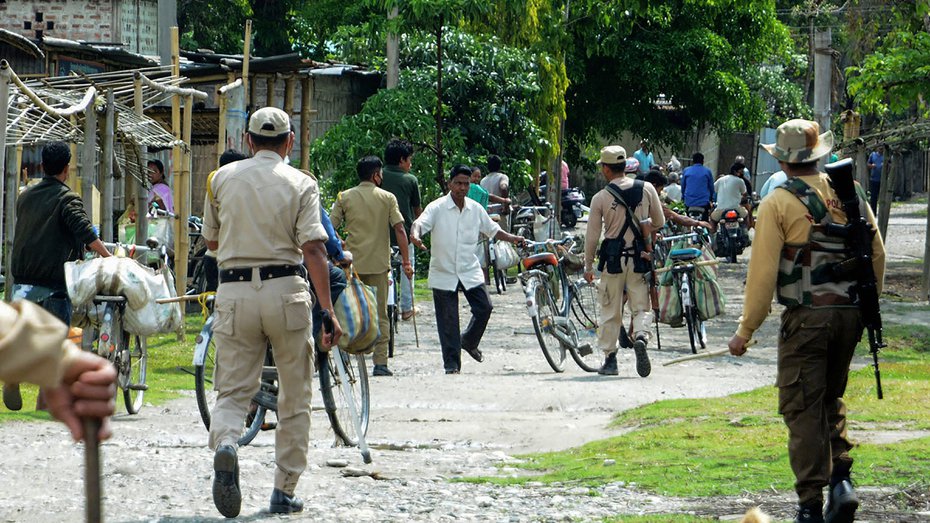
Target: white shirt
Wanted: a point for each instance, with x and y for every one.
(455, 233)
(673, 191)
(730, 190)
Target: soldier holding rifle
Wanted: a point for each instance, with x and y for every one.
(800, 251)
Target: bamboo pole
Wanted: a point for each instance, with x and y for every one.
(89, 161)
(140, 196)
(306, 100)
(245, 61)
(6, 210)
(106, 179)
(177, 168)
(220, 127)
(184, 203)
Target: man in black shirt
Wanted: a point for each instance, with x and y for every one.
(51, 228)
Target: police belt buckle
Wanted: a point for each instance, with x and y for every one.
(267, 272)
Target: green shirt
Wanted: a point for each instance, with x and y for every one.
(404, 187)
(477, 193)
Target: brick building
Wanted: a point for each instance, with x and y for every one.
(133, 23)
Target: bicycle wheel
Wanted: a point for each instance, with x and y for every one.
(544, 323)
(585, 320)
(133, 362)
(206, 397)
(335, 399)
(693, 335)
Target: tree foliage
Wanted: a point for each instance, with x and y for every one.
(706, 58)
(220, 26)
(894, 80)
(485, 109)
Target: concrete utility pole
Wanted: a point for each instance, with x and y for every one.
(167, 18)
(823, 80)
(393, 62)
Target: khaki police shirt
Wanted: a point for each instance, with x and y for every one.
(33, 345)
(261, 212)
(367, 215)
(607, 217)
(782, 219)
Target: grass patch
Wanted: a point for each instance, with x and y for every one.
(724, 446)
(168, 358)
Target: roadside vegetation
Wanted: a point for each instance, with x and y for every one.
(737, 444)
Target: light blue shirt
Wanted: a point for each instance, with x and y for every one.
(772, 183)
(646, 161)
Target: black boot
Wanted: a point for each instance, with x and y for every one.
(810, 513)
(643, 367)
(282, 503)
(625, 341)
(842, 501)
(609, 368)
(226, 494)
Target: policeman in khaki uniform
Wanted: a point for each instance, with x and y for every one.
(262, 217)
(368, 214)
(34, 348)
(821, 324)
(619, 274)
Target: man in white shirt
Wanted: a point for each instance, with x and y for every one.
(456, 223)
(673, 190)
(498, 184)
(730, 190)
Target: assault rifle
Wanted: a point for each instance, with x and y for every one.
(859, 233)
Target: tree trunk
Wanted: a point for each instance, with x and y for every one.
(440, 176)
(886, 192)
(926, 275)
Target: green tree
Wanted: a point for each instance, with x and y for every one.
(220, 26)
(485, 110)
(705, 59)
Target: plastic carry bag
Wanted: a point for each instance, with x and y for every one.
(505, 255)
(357, 312)
(140, 285)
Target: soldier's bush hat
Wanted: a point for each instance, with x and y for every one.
(800, 141)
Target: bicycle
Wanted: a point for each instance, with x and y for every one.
(566, 322)
(682, 266)
(109, 339)
(343, 387)
(393, 304)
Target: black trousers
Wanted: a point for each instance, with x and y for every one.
(447, 322)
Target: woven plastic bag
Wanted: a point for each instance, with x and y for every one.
(357, 313)
(708, 294)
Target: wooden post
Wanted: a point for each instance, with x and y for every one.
(886, 193)
(247, 50)
(289, 95)
(106, 178)
(270, 84)
(306, 100)
(139, 192)
(926, 272)
(74, 165)
(177, 166)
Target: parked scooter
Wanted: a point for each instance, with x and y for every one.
(573, 207)
(732, 236)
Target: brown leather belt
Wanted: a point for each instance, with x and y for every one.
(266, 272)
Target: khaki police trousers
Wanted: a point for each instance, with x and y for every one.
(610, 293)
(250, 314)
(380, 283)
(815, 347)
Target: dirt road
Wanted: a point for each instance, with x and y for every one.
(426, 428)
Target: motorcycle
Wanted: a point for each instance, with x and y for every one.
(732, 236)
(573, 207)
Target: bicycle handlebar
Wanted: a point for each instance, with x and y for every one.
(680, 263)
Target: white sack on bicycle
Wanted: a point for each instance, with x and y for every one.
(140, 285)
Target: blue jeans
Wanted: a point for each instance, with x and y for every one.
(60, 306)
(337, 284)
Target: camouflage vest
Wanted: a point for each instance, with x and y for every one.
(809, 274)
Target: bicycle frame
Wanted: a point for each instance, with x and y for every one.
(531, 280)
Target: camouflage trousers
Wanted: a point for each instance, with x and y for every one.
(815, 347)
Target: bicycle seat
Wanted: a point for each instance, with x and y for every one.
(687, 254)
(543, 258)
